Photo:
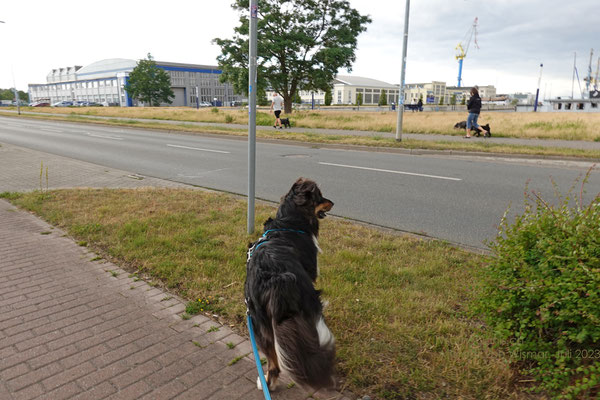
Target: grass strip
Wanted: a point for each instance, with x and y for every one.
(400, 308)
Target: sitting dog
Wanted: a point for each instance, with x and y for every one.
(286, 122)
(283, 303)
(486, 128)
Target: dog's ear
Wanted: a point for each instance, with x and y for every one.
(303, 191)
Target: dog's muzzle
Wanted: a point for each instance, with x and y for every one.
(323, 208)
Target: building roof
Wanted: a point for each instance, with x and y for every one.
(107, 67)
(361, 81)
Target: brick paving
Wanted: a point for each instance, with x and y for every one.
(72, 327)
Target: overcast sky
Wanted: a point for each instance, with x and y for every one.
(515, 36)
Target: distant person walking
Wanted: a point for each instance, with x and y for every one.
(474, 108)
(276, 107)
(420, 104)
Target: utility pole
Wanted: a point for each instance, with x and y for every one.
(252, 115)
(573, 80)
(537, 92)
(402, 75)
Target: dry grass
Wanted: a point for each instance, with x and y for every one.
(565, 126)
(401, 308)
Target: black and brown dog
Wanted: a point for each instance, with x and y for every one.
(486, 128)
(286, 309)
(286, 122)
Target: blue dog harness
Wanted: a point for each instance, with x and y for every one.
(263, 239)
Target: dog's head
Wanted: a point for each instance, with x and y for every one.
(486, 127)
(306, 197)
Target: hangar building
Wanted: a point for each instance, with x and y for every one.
(104, 82)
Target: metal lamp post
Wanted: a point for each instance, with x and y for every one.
(252, 114)
(402, 75)
(537, 92)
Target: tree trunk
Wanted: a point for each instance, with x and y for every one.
(287, 104)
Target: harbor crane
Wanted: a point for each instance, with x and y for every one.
(463, 47)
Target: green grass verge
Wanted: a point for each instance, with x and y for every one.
(400, 308)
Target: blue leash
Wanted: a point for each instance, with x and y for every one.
(261, 375)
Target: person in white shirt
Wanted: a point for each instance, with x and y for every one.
(276, 107)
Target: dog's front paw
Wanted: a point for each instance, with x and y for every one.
(258, 384)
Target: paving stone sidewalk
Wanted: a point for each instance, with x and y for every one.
(76, 327)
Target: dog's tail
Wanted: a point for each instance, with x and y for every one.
(306, 350)
(304, 344)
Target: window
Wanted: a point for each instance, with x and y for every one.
(580, 106)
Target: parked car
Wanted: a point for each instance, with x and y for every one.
(63, 104)
(40, 103)
(205, 104)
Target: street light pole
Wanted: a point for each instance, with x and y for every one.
(402, 75)
(252, 114)
(537, 92)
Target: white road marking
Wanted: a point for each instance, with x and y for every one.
(105, 137)
(199, 149)
(51, 130)
(393, 172)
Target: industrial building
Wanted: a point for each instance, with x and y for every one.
(104, 82)
(346, 88)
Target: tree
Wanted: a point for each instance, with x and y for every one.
(9, 94)
(453, 100)
(441, 100)
(328, 96)
(382, 98)
(359, 99)
(149, 84)
(301, 45)
(297, 99)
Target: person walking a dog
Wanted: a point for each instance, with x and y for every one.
(474, 108)
(276, 107)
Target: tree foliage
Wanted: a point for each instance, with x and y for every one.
(149, 84)
(9, 94)
(359, 99)
(301, 45)
(328, 96)
(382, 98)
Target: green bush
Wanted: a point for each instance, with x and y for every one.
(542, 294)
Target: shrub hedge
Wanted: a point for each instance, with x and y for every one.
(542, 294)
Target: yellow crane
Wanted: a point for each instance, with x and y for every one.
(463, 47)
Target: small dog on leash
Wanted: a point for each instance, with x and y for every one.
(461, 125)
(486, 128)
(286, 122)
(285, 307)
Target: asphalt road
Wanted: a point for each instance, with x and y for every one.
(458, 199)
